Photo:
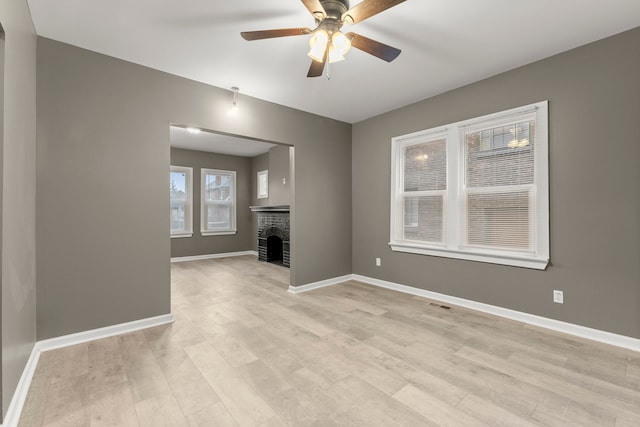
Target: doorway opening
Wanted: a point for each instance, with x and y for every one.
(229, 176)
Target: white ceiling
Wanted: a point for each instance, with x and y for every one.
(445, 44)
(180, 137)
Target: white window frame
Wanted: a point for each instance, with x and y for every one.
(188, 215)
(203, 203)
(453, 248)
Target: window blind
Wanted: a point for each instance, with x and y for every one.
(499, 190)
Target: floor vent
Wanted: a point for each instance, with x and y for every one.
(446, 307)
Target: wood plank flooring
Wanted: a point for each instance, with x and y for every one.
(244, 352)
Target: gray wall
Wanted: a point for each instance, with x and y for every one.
(103, 152)
(594, 107)
(18, 194)
(258, 163)
(205, 245)
(2, 41)
(277, 162)
(279, 191)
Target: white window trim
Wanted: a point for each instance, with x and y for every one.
(454, 134)
(188, 215)
(223, 232)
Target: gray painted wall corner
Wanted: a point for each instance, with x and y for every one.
(18, 195)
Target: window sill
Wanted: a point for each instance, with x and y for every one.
(469, 255)
(181, 235)
(218, 233)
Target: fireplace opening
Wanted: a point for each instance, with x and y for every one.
(274, 249)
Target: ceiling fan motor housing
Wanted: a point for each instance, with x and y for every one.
(335, 8)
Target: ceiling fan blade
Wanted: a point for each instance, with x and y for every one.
(317, 68)
(368, 8)
(315, 7)
(269, 34)
(372, 47)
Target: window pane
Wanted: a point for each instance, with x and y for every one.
(425, 166)
(495, 159)
(177, 217)
(499, 220)
(179, 201)
(217, 201)
(218, 187)
(500, 156)
(218, 216)
(424, 218)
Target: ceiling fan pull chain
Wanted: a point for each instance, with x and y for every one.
(328, 70)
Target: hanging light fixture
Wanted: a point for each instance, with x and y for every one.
(234, 105)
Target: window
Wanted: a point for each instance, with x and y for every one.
(475, 190)
(218, 202)
(263, 184)
(181, 196)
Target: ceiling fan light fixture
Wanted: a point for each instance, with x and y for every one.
(318, 44)
(340, 45)
(327, 43)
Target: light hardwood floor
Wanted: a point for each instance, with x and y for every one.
(243, 351)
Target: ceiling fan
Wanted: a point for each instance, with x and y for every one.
(327, 42)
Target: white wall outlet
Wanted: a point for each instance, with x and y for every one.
(558, 297)
(378, 262)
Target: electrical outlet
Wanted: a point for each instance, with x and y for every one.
(558, 297)
(378, 262)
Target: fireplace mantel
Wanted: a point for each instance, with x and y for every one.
(278, 208)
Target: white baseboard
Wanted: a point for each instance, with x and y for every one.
(20, 395)
(318, 285)
(96, 334)
(531, 319)
(212, 256)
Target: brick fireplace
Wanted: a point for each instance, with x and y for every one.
(273, 234)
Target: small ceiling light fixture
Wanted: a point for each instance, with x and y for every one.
(193, 130)
(234, 105)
